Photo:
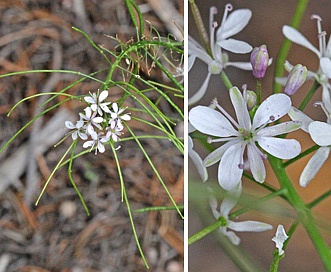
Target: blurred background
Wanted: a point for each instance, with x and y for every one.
(265, 27)
(57, 235)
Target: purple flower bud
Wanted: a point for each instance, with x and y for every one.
(259, 61)
(295, 79)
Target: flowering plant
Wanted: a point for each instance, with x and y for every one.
(133, 98)
(259, 130)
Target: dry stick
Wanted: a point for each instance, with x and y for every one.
(32, 178)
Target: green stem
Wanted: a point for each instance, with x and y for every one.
(258, 91)
(285, 47)
(310, 94)
(304, 214)
(226, 80)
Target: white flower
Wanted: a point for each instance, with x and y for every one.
(320, 132)
(78, 129)
(245, 134)
(117, 117)
(98, 140)
(323, 53)
(229, 202)
(90, 119)
(218, 60)
(113, 132)
(280, 238)
(95, 102)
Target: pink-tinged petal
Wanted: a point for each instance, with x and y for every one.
(217, 154)
(280, 129)
(280, 148)
(103, 95)
(256, 163)
(229, 170)
(271, 109)
(320, 132)
(235, 46)
(251, 226)
(230, 200)
(211, 122)
(297, 115)
(201, 92)
(235, 22)
(314, 165)
(240, 108)
(197, 161)
(295, 36)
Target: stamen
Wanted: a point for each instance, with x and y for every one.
(228, 7)
(209, 140)
(226, 114)
(241, 166)
(272, 118)
(319, 31)
(212, 26)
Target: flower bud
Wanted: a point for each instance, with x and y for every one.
(295, 79)
(250, 98)
(259, 61)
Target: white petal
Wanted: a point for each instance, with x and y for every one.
(232, 237)
(297, 115)
(191, 60)
(126, 117)
(211, 122)
(103, 95)
(256, 163)
(197, 161)
(201, 92)
(280, 238)
(280, 129)
(213, 203)
(230, 200)
(252, 226)
(314, 165)
(101, 147)
(320, 132)
(275, 106)
(115, 107)
(89, 99)
(229, 172)
(240, 108)
(235, 22)
(325, 64)
(97, 120)
(69, 125)
(217, 154)
(247, 66)
(235, 46)
(296, 37)
(280, 148)
(88, 144)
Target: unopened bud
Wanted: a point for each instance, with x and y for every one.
(295, 79)
(259, 61)
(250, 98)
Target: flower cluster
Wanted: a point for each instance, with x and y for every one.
(244, 133)
(101, 122)
(216, 59)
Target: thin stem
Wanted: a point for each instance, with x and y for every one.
(310, 94)
(286, 45)
(258, 91)
(319, 199)
(226, 80)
